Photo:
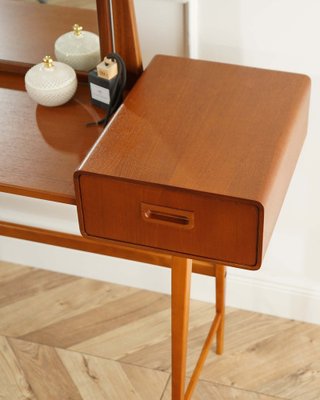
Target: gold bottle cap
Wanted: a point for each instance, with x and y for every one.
(48, 62)
(77, 29)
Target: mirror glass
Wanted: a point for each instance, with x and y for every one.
(30, 28)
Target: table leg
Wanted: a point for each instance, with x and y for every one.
(180, 299)
(220, 304)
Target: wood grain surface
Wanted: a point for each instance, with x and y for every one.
(206, 126)
(223, 230)
(118, 348)
(42, 146)
(218, 132)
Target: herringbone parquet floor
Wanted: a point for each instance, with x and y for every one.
(68, 338)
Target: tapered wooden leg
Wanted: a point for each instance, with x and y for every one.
(180, 300)
(203, 355)
(220, 304)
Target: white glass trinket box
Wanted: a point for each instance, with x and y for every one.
(80, 49)
(51, 83)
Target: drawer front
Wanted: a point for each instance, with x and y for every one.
(177, 221)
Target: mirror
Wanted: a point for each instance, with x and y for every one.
(29, 30)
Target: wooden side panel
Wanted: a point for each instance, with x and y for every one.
(285, 162)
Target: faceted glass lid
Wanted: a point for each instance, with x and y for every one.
(78, 42)
(50, 74)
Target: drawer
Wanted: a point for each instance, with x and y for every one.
(176, 221)
(197, 161)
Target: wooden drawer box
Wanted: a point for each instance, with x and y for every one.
(197, 161)
(170, 219)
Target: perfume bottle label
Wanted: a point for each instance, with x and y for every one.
(100, 93)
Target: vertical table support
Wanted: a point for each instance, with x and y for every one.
(220, 304)
(104, 16)
(180, 300)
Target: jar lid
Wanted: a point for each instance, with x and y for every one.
(78, 42)
(50, 74)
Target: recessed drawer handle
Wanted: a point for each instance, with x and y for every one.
(175, 219)
(168, 216)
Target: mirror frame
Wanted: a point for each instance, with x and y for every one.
(125, 34)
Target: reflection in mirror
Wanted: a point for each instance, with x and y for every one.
(41, 24)
(39, 27)
(79, 49)
(88, 4)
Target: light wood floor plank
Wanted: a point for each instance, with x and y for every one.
(95, 322)
(101, 379)
(29, 284)
(244, 329)
(265, 357)
(9, 271)
(285, 365)
(13, 382)
(45, 371)
(158, 354)
(53, 305)
(209, 391)
(135, 337)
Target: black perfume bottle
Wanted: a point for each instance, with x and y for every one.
(103, 81)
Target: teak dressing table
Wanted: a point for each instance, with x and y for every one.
(190, 173)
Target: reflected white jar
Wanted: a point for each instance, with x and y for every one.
(80, 49)
(51, 83)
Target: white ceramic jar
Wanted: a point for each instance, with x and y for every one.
(51, 83)
(79, 49)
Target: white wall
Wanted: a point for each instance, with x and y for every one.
(276, 34)
(283, 35)
(161, 27)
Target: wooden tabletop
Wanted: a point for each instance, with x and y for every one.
(194, 131)
(42, 146)
(204, 126)
(28, 31)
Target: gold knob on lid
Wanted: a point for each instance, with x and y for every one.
(77, 29)
(48, 62)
